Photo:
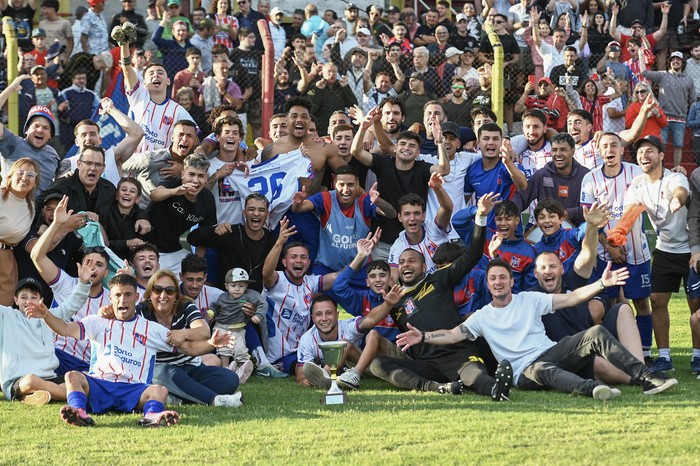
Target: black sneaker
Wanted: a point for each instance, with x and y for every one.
(649, 361)
(653, 383)
(504, 381)
(452, 388)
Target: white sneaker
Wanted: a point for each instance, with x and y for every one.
(316, 375)
(233, 366)
(696, 16)
(229, 401)
(605, 393)
(349, 380)
(244, 370)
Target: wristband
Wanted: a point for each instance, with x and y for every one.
(422, 336)
(126, 61)
(602, 286)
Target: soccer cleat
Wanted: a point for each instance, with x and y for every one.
(118, 35)
(244, 370)
(229, 401)
(504, 381)
(129, 32)
(695, 365)
(316, 375)
(605, 393)
(38, 398)
(653, 383)
(349, 380)
(662, 365)
(76, 416)
(171, 400)
(271, 372)
(452, 388)
(163, 418)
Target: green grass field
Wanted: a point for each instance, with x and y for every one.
(282, 422)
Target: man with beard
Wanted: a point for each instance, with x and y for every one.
(559, 179)
(177, 205)
(382, 88)
(151, 167)
(288, 294)
(149, 104)
(664, 194)
(72, 354)
(539, 150)
(552, 100)
(426, 302)
(609, 184)
(458, 109)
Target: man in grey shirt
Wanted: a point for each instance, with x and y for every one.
(676, 95)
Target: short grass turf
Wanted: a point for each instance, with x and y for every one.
(282, 423)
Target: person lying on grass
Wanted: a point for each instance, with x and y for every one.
(125, 352)
(512, 326)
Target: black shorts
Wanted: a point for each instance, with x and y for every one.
(667, 271)
(14, 390)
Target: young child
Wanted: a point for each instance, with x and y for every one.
(566, 242)
(229, 316)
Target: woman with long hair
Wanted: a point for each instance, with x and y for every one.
(593, 103)
(16, 216)
(598, 36)
(655, 121)
(185, 377)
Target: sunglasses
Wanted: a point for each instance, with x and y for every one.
(93, 249)
(641, 91)
(169, 290)
(457, 86)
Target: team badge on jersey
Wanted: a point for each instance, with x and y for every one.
(514, 262)
(410, 306)
(140, 338)
(167, 121)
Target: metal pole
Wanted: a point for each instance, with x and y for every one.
(267, 76)
(8, 29)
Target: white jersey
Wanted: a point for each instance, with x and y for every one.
(596, 187)
(514, 332)
(288, 314)
(229, 205)
(348, 330)
(533, 160)
(206, 298)
(454, 184)
(156, 120)
(125, 351)
(277, 180)
(671, 228)
(111, 172)
(433, 236)
(588, 155)
(62, 287)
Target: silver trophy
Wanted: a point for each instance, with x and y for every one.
(332, 355)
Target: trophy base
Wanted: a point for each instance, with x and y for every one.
(334, 399)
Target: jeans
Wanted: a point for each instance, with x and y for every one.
(555, 367)
(198, 384)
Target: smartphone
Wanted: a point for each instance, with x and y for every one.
(531, 78)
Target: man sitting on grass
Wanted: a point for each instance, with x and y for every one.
(124, 356)
(513, 328)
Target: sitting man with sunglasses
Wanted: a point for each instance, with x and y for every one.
(86, 190)
(72, 354)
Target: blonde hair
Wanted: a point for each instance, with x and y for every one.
(181, 301)
(5, 190)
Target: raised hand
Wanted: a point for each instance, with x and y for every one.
(436, 181)
(126, 269)
(38, 310)
(373, 193)
(597, 215)
(507, 153)
(222, 229)
(86, 272)
(369, 119)
(614, 277)
(494, 244)
(665, 8)
(436, 130)
(222, 339)
(486, 203)
(299, 196)
(407, 339)
(356, 114)
(106, 105)
(393, 296)
(286, 231)
(61, 215)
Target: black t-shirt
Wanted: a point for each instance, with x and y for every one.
(430, 304)
(282, 96)
(559, 76)
(425, 30)
(175, 215)
(245, 70)
(23, 18)
(510, 46)
(463, 42)
(571, 320)
(392, 184)
(458, 113)
(236, 249)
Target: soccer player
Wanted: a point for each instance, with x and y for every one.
(512, 328)
(149, 104)
(125, 351)
(609, 184)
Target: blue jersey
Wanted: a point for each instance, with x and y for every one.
(479, 181)
(471, 294)
(566, 243)
(520, 255)
(341, 228)
(360, 302)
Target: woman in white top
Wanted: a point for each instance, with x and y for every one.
(16, 215)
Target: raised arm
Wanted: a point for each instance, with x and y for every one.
(437, 337)
(126, 147)
(45, 266)
(378, 313)
(663, 27)
(628, 136)
(66, 329)
(269, 273)
(11, 89)
(609, 278)
(300, 203)
(356, 150)
(444, 212)
(507, 155)
(613, 22)
(596, 217)
(443, 165)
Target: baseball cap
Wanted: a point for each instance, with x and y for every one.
(614, 45)
(452, 51)
(276, 11)
(469, 50)
(29, 282)
(37, 111)
(449, 127)
(637, 21)
(237, 275)
(52, 196)
(460, 17)
(393, 9)
(206, 23)
(55, 49)
(174, 2)
(36, 68)
(650, 139)
(417, 75)
(677, 55)
(38, 32)
(351, 6)
(545, 79)
(364, 31)
(355, 50)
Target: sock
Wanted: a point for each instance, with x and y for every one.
(665, 353)
(153, 406)
(645, 332)
(696, 353)
(77, 400)
(260, 358)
